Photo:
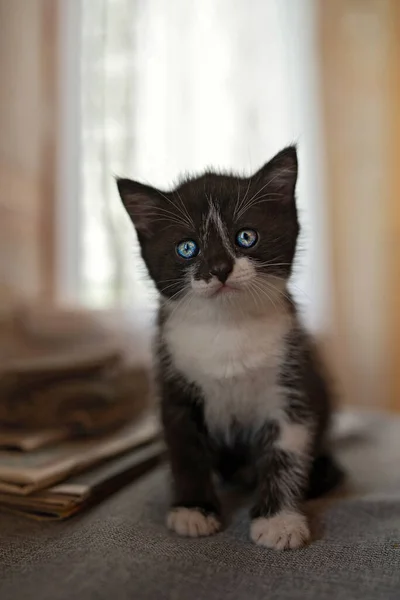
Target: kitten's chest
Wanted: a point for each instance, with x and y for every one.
(236, 365)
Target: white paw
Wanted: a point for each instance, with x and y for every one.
(285, 530)
(191, 522)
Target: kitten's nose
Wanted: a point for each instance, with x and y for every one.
(221, 271)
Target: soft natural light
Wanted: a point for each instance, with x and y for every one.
(167, 89)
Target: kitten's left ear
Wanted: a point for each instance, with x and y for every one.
(280, 173)
(141, 202)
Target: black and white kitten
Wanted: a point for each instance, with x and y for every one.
(242, 393)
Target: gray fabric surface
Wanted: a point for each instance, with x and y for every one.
(121, 549)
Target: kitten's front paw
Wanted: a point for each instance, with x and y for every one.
(285, 530)
(192, 522)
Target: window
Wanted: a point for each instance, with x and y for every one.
(169, 87)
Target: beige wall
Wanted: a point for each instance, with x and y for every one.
(356, 51)
(393, 243)
(27, 128)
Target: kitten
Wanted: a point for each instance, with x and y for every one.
(242, 393)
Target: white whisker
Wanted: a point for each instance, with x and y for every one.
(185, 209)
(177, 207)
(256, 195)
(243, 200)
(254, 200)
(263, 291)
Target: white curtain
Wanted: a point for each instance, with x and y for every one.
(170, 86)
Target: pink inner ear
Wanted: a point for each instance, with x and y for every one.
(141, 210)
(285, 176)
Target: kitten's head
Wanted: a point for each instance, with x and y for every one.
(219, 236)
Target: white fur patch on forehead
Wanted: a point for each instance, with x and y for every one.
(213, 218)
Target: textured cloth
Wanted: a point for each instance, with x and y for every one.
(121, 549)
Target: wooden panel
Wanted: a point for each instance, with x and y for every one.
(394, 210)
(50, 63)
(355, 44)
(28, 125)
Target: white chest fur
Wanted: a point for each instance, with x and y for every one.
(234, 362)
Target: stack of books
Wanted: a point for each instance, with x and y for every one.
(45, 476)
(76, 415)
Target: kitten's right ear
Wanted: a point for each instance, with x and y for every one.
(140, 202)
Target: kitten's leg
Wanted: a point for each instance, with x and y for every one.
(195, 510)
(283, 471)
(326, 475)
(235, 468)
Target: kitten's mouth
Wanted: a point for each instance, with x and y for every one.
(225, 288)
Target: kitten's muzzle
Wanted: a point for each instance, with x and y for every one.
(222, 271)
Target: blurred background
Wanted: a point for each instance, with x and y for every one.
(153, 88)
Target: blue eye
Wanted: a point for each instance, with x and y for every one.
(246, 238)
(187, 249)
